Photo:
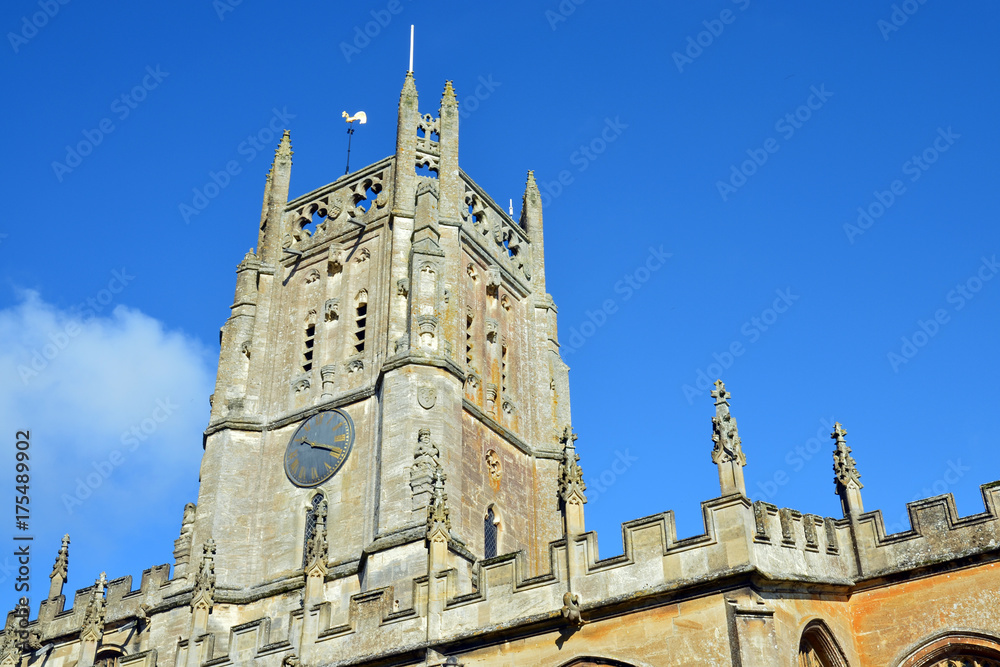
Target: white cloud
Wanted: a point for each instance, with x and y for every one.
(115, 405)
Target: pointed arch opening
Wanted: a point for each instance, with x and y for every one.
(954, 648)
(491, 532)
(818, 648)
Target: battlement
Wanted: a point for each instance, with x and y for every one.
(744, 543)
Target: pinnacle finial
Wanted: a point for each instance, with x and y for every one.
(530, 184)
(847, 479)
(838, 433)
(409, 86)
(720, 394)
(61, 567)
(449, 93)
(844, 465)
(284, 149)
(438, 514)
(727, 452)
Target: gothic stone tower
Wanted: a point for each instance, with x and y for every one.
(390, 478)
(417, 306)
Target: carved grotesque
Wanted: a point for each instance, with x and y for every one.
(571, 609)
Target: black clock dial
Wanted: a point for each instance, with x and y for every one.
(319, 448)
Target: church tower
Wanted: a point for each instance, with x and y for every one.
(389, 376)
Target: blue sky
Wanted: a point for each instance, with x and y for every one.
(821, 176)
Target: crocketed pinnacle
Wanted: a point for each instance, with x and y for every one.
(448, 97)
(284, 150)
(61, 567)
(844, 466)
(728, 446)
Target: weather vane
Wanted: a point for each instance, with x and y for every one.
(362, 119)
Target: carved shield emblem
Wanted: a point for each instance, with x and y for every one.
(426, 397)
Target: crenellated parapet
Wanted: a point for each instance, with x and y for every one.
(744, 543)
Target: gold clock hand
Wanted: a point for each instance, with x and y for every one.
(315, 445)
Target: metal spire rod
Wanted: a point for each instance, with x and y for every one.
(359, 116)
(350, 133)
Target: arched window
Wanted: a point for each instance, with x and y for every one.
(818, 648)
(955, 650)
(490, 530)
(310, 525)
(108, 657)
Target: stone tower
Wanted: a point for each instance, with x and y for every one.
(404, 296)
(390, 477)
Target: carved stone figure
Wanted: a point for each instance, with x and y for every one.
(495, 470)
(728, 446)
(425, 462)
(571, 609)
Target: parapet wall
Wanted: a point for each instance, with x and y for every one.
(744, 543)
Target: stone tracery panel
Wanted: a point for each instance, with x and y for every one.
(495, 230)
(354, 202)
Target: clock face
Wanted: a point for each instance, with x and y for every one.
(319, 448)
